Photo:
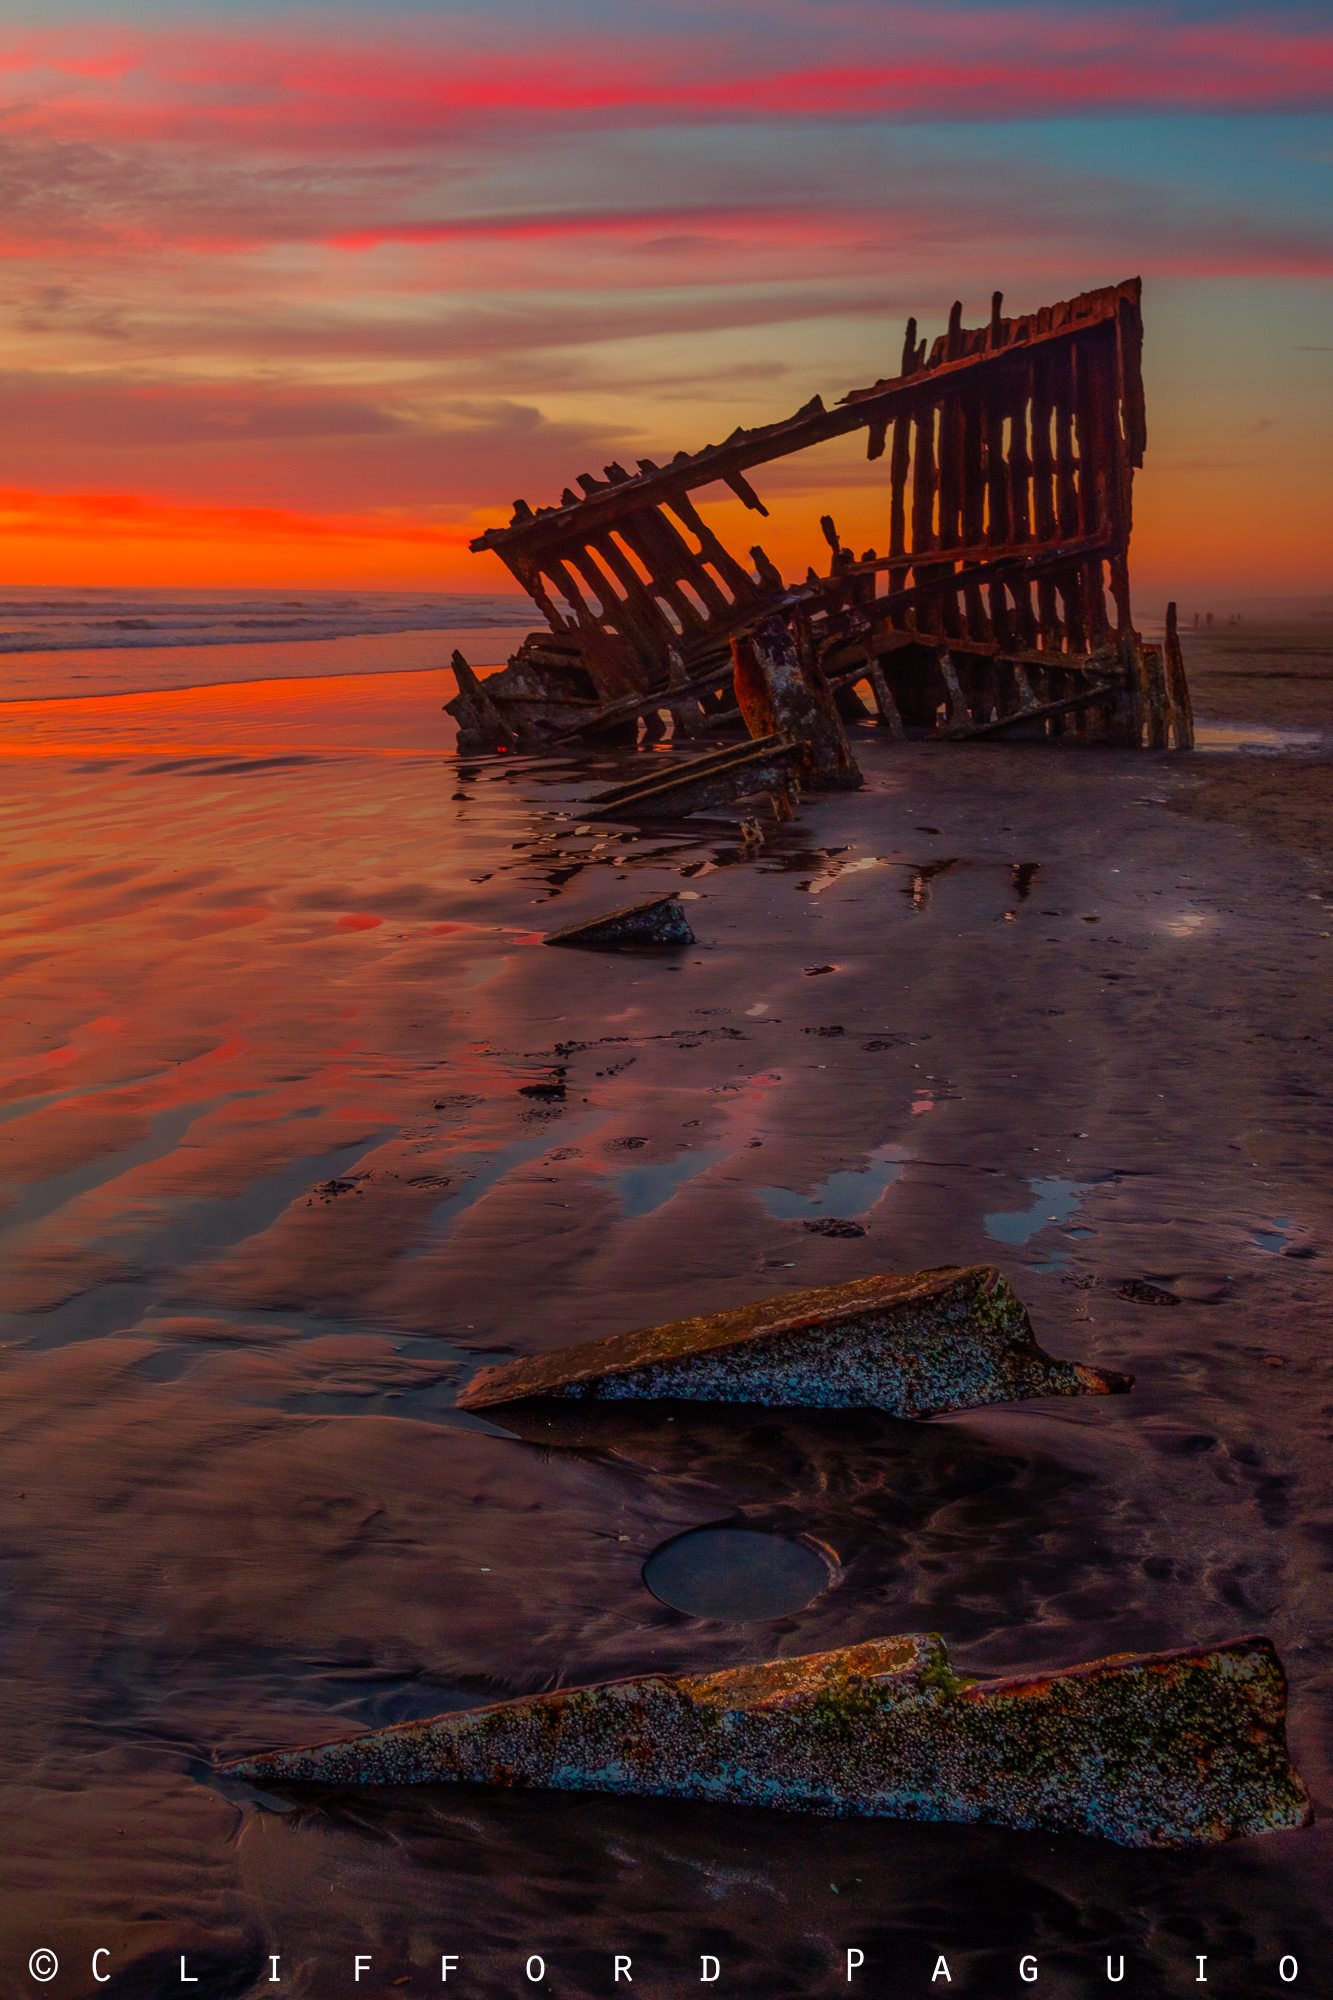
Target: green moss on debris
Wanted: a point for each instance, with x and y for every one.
(1167, 1750)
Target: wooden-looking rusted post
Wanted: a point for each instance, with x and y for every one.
(481, 726)
(781, 690)
(1178, 686)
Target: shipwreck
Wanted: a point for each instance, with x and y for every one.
(1000, 606)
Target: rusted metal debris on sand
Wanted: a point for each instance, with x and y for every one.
(1157, 1750)
(914, 1345)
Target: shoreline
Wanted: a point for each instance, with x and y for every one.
(225, 662)
(196, 687)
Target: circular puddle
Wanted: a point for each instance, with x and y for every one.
(738, 1573)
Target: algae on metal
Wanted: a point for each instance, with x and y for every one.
(657, 921)
(914, 1345)
(1158, 1750)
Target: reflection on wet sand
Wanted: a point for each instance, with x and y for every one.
(273, 1191)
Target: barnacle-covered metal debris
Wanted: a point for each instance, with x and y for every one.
(654, 923)
(913, 1345)
(1175, 1749)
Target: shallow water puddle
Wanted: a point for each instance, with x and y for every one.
(1188, 923)
(1055, 1202)
(642, 1189)
(926, 1096)
(849, 1192)
(1263, 737)
(483, 1168)
(208, 1224)
(797, 860)
(166, 1130)
(860, 866)
(920, 876)
(919, 889)
(648, 1185)
(738, 1574)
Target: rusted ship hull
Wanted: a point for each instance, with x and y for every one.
(1000, 605)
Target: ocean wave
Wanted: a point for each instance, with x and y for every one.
(110, 621)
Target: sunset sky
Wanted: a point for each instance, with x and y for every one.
(306, 296)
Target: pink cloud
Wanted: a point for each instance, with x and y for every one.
(403, 86)
(814, 223)
(58, 198)
(286, 447)
(134, 142)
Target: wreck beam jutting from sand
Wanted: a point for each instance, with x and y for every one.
(914, 1344)
(1179, 1749)
(1000, 606)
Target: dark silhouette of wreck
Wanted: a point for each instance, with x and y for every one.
(1001, 605)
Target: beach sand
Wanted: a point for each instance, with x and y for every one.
(275, 989)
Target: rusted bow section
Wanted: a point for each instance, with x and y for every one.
(1159, 1750)
(914, 1345)
(1001, 602)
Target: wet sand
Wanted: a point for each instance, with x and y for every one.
(273, 1191)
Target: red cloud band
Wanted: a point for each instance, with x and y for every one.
(907, 62)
